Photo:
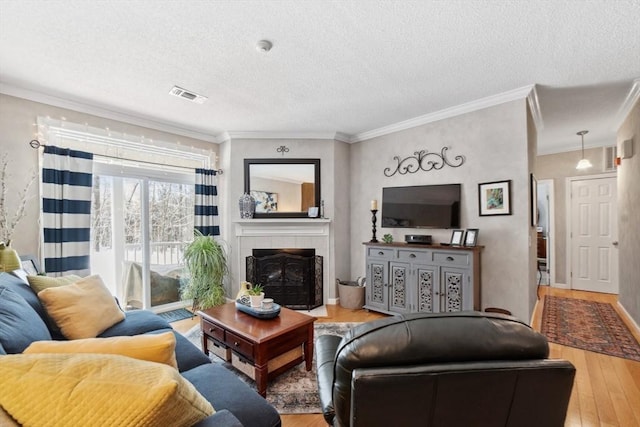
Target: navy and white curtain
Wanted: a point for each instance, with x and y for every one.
(66, 210)
(206, 203)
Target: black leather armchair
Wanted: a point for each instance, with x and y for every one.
(465, 369)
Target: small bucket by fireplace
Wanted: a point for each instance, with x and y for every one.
(292, 277)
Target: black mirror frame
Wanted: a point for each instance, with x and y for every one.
(314, 162)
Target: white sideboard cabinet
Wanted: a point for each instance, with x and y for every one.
(410, 278)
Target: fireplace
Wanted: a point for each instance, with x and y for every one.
(292, 277)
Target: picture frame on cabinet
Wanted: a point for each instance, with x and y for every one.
(457, 237)
(471, 237)
(494, 198)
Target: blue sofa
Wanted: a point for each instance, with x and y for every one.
(236, 404)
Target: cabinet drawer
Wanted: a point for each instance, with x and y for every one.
(380, 252)
(408, 255)
(214, 331)
(239, 345)
(450, 258)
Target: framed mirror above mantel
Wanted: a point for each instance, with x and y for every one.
(283, 188)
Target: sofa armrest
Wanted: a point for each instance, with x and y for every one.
(221, 418)
(326, 347)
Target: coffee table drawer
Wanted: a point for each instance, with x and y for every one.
(214, 331)
(240, 345)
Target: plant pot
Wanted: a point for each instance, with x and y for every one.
(256, 300)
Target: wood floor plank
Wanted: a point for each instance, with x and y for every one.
(629, 393)
(586, 403)
(603, 402)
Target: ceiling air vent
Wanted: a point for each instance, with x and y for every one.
(609, 158)
(191, 96)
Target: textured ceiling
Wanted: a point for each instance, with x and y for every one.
(336, 66)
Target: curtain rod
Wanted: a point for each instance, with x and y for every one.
(34, 143)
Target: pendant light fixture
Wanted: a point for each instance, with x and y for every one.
(583, 163)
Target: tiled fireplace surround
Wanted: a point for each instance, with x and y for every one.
(284, 233)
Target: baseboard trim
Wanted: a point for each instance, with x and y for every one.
(333, 301)
(561, 286)
(630, 320)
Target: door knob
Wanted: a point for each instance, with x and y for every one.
(615, 243)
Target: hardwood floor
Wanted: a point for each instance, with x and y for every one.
(606, 391)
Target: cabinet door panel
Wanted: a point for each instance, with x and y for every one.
(455, 290)
(377, 290)
(427, 289)
(399, 299)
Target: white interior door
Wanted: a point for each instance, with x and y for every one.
(594, 235)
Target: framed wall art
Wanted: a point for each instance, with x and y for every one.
(494, 198)
(30, 264)
(534, 201)
(266, 201)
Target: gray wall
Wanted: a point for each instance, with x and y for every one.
(628, 208)
(18, 118)
(495, 144)
(558, 167)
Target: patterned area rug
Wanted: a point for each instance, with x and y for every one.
(588, 325)
(295, 391)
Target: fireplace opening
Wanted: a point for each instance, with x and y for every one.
(291, 276)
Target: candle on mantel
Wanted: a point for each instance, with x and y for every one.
(374, 205)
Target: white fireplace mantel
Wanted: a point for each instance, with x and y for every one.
(282, 227)
(280, 233)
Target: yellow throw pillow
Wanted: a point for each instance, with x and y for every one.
(160, 348)
(61, 390)
(83, 309)
(40, 283)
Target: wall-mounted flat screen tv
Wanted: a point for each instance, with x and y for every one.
(421, 206)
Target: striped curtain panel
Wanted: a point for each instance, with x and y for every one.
(66, 210)
(206, 203)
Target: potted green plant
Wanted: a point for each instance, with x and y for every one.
(206, 262)
(256, 294)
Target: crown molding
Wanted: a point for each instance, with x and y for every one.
(534, 106)
(629, 102)
(286, 135)
(106, 113)
(342, 137)
(458, 110)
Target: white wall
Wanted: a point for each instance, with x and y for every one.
(494, 142)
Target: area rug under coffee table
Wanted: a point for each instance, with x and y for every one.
(295, 391)
(588, 325)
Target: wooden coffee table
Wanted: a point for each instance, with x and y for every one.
(268, 346)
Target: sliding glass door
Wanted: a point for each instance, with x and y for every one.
(141, 221)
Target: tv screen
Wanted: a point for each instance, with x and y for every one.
(421, 206)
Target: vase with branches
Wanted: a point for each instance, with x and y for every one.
(206, 262)
(9, 222)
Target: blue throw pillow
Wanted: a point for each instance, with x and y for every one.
(20, 325)
(17, 282)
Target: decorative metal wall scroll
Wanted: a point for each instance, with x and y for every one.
(282, 149)
(424, 160)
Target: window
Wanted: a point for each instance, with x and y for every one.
(139, 228)
(142, 209)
